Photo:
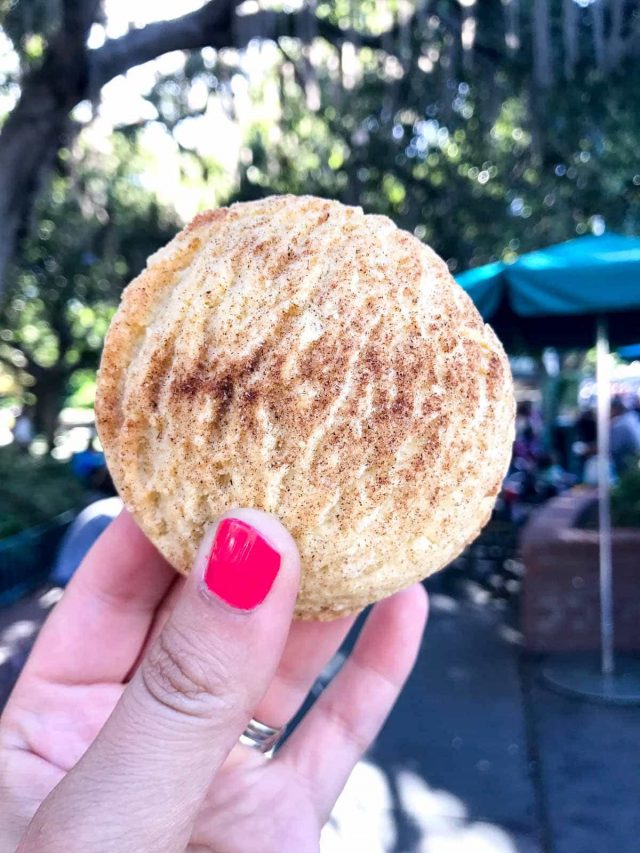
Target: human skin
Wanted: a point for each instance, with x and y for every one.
(122, 731)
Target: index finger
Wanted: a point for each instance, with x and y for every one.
(96, 632)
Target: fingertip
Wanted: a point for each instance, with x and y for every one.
(248, 560)
(418, 599)
(267, 525)
(272, 529)
(126, 527)
(412, 603)
(401, 619)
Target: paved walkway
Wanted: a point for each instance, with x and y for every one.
(452, 769)
(477, 757)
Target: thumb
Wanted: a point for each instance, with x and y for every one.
(192, 696)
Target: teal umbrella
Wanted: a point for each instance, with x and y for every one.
(630, 353)
(485, 285)
(530, 301)
(590, 275)
(568, 295)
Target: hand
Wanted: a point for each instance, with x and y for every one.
(122, 732)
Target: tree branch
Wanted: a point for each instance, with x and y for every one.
(65, 64)
(217, 25)
(211, 25)
(77, 18)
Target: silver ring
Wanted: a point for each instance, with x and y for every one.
(259, 736)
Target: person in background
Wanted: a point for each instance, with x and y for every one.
(624, 437)
(79, 538)
(90, 468)
(23, 431)
(527, 445)
(552, 478)
(586, 439)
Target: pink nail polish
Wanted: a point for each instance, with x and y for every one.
(242, 566)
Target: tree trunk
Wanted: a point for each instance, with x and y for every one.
(31, 139)
(48, 391)
(597, 25)
(542, 59)
(570, 23)
(40, 123)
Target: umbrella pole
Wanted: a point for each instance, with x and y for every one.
(603, 381)
(587, 676)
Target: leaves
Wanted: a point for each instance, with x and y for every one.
(94, 232)
(34, 490)
(440, 115)
(481, 160)
(625, 499)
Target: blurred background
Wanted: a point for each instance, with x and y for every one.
(489, 129)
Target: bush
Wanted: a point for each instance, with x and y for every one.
(34, 490)
(625, 499)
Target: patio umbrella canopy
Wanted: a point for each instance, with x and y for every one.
(529, 302)
(630, 353)
(571, 295)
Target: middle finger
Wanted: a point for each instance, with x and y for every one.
(310, 646)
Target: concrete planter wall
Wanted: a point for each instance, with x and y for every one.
(560, 596)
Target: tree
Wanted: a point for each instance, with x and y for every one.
(407, 39)
(482, 160)
(93, 232)
(64, 71)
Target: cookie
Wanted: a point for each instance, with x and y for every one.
(298, 356)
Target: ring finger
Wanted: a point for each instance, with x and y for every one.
(309, 647)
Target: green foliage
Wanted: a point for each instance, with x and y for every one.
(30, 24)
(94, 231)
(463, 146)
(34, 490)
(81, 389)
(467, 153)
(625, 499)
